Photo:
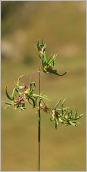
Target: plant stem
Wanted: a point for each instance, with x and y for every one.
(39, 119)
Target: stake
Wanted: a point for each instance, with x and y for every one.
(39, 118)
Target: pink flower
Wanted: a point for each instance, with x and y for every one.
(23, 87)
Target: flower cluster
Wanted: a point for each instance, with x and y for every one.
(22, 94)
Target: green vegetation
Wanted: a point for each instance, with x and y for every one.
(62, 25)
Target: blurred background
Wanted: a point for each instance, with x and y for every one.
(63, 26)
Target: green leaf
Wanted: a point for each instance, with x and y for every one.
(73, 123)
(33, 102)
(51, 60)
(58, 103)
(9, 97)
(56, 72)
(8, 103)
(6, 106)
(12, 96)
(17, 84)
(44, 58)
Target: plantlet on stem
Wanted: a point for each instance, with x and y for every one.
(47, 64)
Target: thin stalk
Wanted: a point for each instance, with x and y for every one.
(39, 120)
(32, 76)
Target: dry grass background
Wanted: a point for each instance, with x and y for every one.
(63, 26)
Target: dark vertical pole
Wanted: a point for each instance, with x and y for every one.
(39, 118)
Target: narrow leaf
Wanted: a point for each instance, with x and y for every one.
(9, 97)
